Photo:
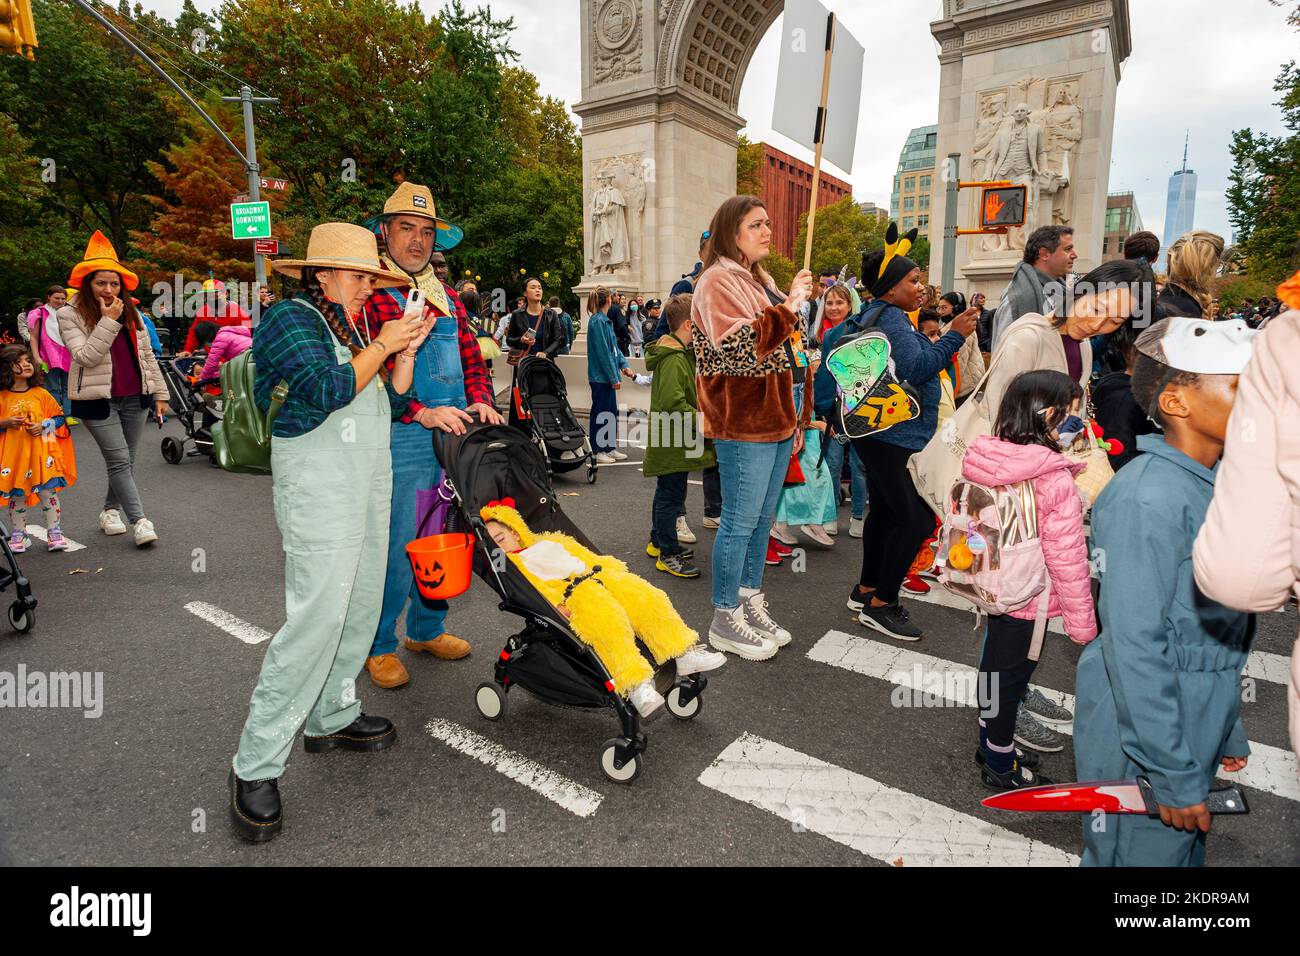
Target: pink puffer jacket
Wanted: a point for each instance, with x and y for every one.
(991, 461)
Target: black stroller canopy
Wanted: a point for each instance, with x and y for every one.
(539, 376)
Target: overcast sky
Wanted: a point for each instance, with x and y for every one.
(1201, 65)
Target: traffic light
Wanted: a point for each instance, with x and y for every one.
(1003, 206)
(17, 28)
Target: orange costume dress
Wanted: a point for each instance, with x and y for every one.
(34, 464)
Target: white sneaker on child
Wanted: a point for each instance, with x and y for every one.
(697, 659)
(649, 703)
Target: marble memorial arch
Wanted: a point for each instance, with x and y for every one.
(1027, 91)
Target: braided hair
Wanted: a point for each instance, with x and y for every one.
(310, 284)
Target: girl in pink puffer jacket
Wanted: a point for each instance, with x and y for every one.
(1026, 446)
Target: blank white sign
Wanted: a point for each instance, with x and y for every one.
(799, 82)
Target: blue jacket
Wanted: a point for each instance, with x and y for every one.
(605, 362)
(1159, 691)
(917, 361)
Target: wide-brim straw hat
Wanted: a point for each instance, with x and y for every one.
(101, 256)
(341, 245)
(412, 199)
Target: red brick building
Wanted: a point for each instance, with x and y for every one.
(787, 187)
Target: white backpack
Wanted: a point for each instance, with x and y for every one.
(989, 551)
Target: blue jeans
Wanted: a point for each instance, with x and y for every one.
(752, 475)
(835, 453)
(603, 426)
(56, 383)
(669, 501)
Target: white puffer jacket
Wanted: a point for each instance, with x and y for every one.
(91, 373)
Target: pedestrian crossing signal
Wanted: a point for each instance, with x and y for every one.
(1003, 206)
(17, 28)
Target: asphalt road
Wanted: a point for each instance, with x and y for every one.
(819, 766)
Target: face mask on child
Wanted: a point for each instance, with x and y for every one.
(1069, 430)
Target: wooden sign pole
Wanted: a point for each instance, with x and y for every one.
(819, 139)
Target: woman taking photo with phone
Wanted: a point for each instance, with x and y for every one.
(332, 488)
(113, 380)
(745, 376)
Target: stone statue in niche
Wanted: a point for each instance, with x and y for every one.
(1062, 123)
(992, 113)
(609, 247)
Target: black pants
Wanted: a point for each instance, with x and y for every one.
(712, 493)
(670, 497)
(898, 520)
(1004, 672)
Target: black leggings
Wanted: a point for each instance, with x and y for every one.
(898, 519)
(1004, 672)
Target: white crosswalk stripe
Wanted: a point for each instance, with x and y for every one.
(574, 797)
(37, 531)
(1272, 769)
(1261, 665)
(248, 633)
(877, 820)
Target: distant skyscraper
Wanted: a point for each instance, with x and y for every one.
(1180, 210)
(909, 204)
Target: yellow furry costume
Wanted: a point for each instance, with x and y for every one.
(608, 610)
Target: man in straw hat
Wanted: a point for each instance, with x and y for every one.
(332, 481)
(451, 381)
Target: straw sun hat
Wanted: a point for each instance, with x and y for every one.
(341, 245)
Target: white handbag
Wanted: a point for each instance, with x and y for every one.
(936, 466)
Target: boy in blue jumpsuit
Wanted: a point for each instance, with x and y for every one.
(1158, 693)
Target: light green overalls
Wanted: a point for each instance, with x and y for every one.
(332, 490)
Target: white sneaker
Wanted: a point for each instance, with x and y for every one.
(713, 524)
(144, 532)
(731, 631)
(781, 531)
(684, 533)
(649, 703)
(832, 528)
(618, 455)
(605, 458)
(817, 535)
(855, 527)
(110, 522)
(697, 659)
(756, 614)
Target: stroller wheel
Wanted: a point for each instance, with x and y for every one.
(21, 617)
(490, 701)
(172, 451)
(609, 757)
(591, 474)
(684, 711)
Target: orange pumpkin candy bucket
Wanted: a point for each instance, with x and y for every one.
(443, 564)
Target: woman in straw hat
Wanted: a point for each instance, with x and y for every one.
(332, 484)
(113, 379)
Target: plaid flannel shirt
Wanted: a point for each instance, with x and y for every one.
(383, 307)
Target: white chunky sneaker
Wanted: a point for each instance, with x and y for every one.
(649, 703)
(144, 532)
(732, 632)
(855, 527)
(110, 522)
(756, 614)
(697, 659)
(605, 458)
(684, 533)
(618, 455)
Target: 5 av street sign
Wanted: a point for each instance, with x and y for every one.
(250, 220)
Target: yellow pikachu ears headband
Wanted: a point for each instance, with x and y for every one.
(888, 267)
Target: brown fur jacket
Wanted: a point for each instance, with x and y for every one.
(744, 380)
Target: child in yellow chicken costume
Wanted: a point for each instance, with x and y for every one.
(607, 606)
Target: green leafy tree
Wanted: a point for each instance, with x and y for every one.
(749, 166)
(842, 235)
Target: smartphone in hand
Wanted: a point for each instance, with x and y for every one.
(414, 305)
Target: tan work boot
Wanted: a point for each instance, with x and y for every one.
(387, 671)
(444, 646)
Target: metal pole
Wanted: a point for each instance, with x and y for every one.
(130, 45)
(952, 171)
(247, 99)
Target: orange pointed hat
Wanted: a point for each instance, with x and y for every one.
(100, 254)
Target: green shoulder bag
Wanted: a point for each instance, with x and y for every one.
(242, 439)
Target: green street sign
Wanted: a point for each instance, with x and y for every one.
(250, 220)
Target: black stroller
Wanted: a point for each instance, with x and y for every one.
(546, 658)
(189, 401)
(546, 413)
(22, 612)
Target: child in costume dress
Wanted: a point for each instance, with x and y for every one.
(36, 456)
(607, 606)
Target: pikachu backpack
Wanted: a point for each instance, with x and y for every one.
(870, 398)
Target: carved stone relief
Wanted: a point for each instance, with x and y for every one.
(617, 210)
(617, 50)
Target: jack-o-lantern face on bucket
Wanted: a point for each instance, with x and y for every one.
(429, 574)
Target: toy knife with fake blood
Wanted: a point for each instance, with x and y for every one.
(1113, 796)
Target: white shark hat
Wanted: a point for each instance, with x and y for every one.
(1199, 345)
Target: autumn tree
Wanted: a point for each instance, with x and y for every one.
(842, 235)
(749, 166)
